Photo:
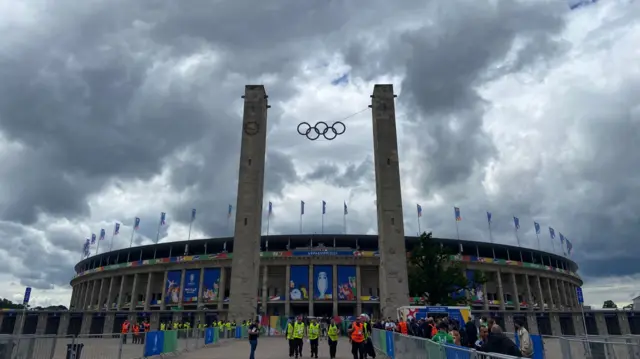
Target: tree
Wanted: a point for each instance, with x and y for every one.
(432, 273)
(609, 304)
(7, 304)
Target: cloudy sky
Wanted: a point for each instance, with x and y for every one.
(115, 109)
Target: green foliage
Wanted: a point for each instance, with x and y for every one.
(609, 304)
(432, 271)
(7, 304)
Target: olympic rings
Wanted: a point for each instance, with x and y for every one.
(321, 128)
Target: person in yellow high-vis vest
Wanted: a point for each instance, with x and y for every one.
(332, 333)
(298, 334)
(289, 333)
(313, 334)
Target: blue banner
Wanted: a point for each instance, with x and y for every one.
(172, 287)
(211, 285)
(191, 285)
(299, 284)
(154, 344)
(208, 336)
(347, 288)
(323, 279)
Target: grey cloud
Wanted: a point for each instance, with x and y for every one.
(351, 176)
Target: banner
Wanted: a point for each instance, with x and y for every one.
(154, 344)
(170, 341)
(191, 286)
(299, 284)
(323, 279)
(211, 285)
(172, 287)
(347, 283)
(475, 288)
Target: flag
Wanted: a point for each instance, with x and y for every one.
(419, 208)
(136, 224)
(116, 230)
(270, 208)
(163, 218)
(489, 217)
(301, 208)
(346, 211)
(102, 234)
(516, 222)
(324, 207)
(193, 215)
(456, 212)
(93, 238)
(569, 246)
(229, 212)
(85, 247)
(561, 238)
(536, 225)
(552, 233)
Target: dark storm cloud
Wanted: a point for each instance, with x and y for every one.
(349, 177)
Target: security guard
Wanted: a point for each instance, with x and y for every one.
(298, 334)
(333, 339)
(292, 345)
(124, 330)
(314, 332)
(356, 333)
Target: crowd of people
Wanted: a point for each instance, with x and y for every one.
(484, 336)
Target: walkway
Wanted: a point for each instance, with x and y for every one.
(268, 348)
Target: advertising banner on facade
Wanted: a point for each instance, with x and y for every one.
(172, 287)
(323, 280)
(211, 285)
(346, 286)
(475, 288)
(299, 284)
(191, 286)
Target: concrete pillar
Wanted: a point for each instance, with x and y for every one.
(552, 302)
(1, 319)
(92, 294)
(87, 291)
(134, 292)
(265, 296)
(623, 320)
(223, 288)
(181, 293)
(147, 291)
(101, 294)
(163, 302)
(121, 293)
(529, 294)
(74, 295)
(42, 324)
(200, 287)
(17, 328)
(86, 323)
(110, 293)
(509, 326)
(64, 324)
(335, 294)
(601, 324)
(358, 291)
(154, 321)
(394, 284)
(514, 283)
(311, 290)
(248, 225)
(532, 323)
(555, 285)
(540, 293)
(500, 289)
(578, 324)
(287, 299)
(109, 319)
(485, 298)
(556, 329)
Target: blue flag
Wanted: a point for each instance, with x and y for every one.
(102, 234)
(346, 211)
(536, 225)
(489, 217)
(552, 233)
(93, 238)
(193, 215)
(516, 222)
(116, 230)
(301, 207)
(324, 207)
(270, 208)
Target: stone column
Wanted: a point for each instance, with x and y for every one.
(147, 292)
(560, 303)
(552, 304)
(74, 295)
(200, 287)
(223, 287)
(500, 289)
(87, 291)
(601, 324)
(110, 293)
(532, 323)
(121, 293)
(556, 329)
(163, 301)
(287, 300)
(485, 298)
(64, 324)
(109, 319)
(623, 320)
(516, 300)
(358, 291)
(41, 327)
(134, 293)
(100, 294)
(578, 324)
(86, 323)
(529, 294)
(265, 289)
(540, 293)
(334, 296)
(509, 326)
(182, 279)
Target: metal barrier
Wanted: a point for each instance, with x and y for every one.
(399, 346)
(590, 346)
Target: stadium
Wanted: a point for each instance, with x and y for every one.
(316, 275)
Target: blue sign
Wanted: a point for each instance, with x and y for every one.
(579, 295)
(154, 344)
(208, 336)
(191, 286)
(27, 295)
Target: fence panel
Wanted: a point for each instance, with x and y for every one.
(105, 346)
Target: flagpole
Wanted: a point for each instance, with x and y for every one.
(158, 233)
(186, 246)
(490, 233)
(300, 222)
(112, 235)
(322, 225)
(538, 238)
(98, 246)
(133, 231)
(517, 237)
(268, 220)
(457, 229)
(344, 222)
(419, 229)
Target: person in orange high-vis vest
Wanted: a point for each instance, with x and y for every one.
(124, 330)
(356, 333)
(403, 327)
(136, 333)
(147, 328)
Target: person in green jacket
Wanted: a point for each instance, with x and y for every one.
(442, 337)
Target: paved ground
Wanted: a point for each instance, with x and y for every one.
(268, 348)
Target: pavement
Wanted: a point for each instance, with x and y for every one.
(268, 348)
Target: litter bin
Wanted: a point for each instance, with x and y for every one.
(74, 351)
